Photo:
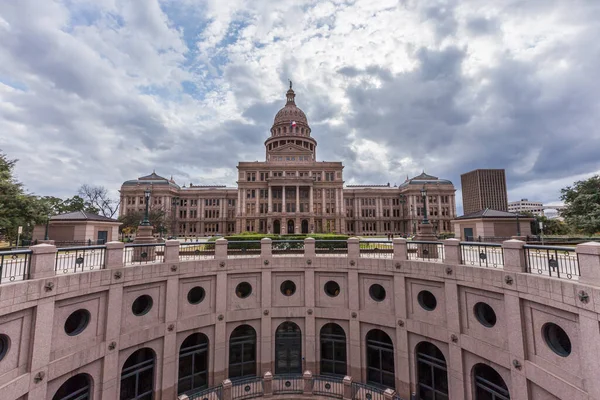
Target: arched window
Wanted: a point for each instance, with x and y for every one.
(380, 359)
(333, 350)
(242, 352)
(193, 363)
(137, 376)
(489, 385)
(77, 387)
(288, 349)
(432, 375)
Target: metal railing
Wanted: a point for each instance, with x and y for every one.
(213, 393)
(425, 250)
(189, 251)
(247, 388)
(143, 253)
(243, 248)
(376, 249)
(560, 262)
(287, 248)
(79, 259)
(331, 248)
(288, 384)
(328, 386)
(361, 391)
(482, 254)
(15, 265)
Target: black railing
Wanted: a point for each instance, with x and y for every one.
(288, 384)
(189, 251)
(376, 249)
(560, 262)
(15, 265)
(138, 253)
(247, 388)
(79, 259)
(329, 386)
(425, 251)
(243, 248)
(361, 391)
(213, 393)
(482, 254)
(331, 248)
(287, 248)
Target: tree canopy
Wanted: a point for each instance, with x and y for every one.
(582, 201)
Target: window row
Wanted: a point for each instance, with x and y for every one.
(137, 373)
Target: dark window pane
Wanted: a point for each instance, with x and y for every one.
(441, 380)
(145, 381)
(326, 367)
(184, 385)
(387, 361)
(425, 394)
(185, 366)
(128, 388)
(340, 368)
(425, 376)
(326, 351)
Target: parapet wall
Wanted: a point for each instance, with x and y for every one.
(41, 356)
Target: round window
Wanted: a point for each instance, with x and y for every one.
(332, 288)
(427, 300)
(243, 290)
(142, 305)
(288, 288)
(485, 314)
(377, 292)
(4, 345)
(77, 322)
(196, 295)
(557, 339)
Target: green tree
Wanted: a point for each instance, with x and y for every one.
(17, 208)
(582, 201)
(57, 206)
(157, 215)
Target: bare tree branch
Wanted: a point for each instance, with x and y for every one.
(98, 198)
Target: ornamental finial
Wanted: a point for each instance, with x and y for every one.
(290, 84)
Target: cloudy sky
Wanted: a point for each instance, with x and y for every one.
(101, 91)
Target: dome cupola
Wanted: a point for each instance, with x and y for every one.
(290, 120)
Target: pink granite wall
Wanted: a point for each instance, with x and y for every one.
(33, 314)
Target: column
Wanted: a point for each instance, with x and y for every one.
(270, 195)
(297, 198)
(257, 204)
(310, 200)
(283, 200)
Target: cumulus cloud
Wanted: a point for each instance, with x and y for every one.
(104, 91)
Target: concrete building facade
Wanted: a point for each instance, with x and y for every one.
(292, 192)
(484, 188)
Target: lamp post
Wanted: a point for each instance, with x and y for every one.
(45, 234)
(146, 221)
(518, 226)
(402, 202)
(424, 195)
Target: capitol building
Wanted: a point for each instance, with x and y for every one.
(291, 192)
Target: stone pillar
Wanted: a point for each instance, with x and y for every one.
(144, 236)
(308, 381)
(114, 255)
(171, 251)
(589, 263)
(268, 384)
(400, 249)
(41, 346)
(283, 203)
(337, 202)
(388, 394)
(452, 251)
(353, 248)
(266, 248)
(257, 205)
(43, 261)
(426, 234)
(297, 200)
(170, 357)
(227, 395)
(514, 256)
(270, 207)
(221, 249)
(311, 201)
(309, 249)
(347, 388)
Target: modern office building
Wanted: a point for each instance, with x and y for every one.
(292, 192)
(484, 188)
(524, 205)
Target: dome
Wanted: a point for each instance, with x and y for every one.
(290, 112)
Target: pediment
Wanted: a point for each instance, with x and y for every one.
(290, 148)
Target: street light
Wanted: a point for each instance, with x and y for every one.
(402, 202)
(146, 221)
(46, 234)
(424, 195)
(518, 226)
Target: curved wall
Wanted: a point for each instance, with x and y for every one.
(42, 356)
